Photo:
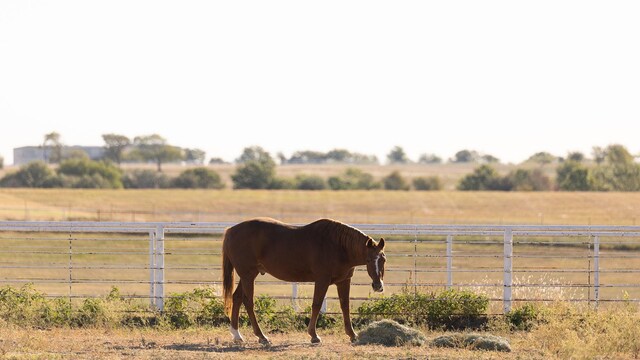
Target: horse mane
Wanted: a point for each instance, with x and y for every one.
(348, 237)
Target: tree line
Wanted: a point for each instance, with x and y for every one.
(613, 170)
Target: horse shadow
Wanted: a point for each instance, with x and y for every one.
(231, 347)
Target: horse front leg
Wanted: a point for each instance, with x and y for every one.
(319, 292)
(343, 294)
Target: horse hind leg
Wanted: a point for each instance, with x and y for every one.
(247, 289)
(235, 313)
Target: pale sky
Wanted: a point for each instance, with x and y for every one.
(506, 78)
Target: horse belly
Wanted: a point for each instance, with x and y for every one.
(289, 274)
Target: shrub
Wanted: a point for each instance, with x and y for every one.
(91, 174)
(280, 183)
(427, 183)
(529, 180)
(32, 175)
(524, 317)
(254, 174)
(353, 179)
(310, 182)
(1, 162)
(573, 176)
(198, 307)
(395, 181)
(450, 309)
(484, 177)
(145, 179)
(198, 178)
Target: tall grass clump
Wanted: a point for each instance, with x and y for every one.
(26, 306)
(450, 309)
(572, 331)
(201, 306)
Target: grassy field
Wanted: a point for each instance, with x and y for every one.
(567, 332)
(452, 207)
(195, 259)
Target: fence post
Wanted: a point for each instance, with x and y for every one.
(508, 268)
(596, 268)
(294, 296)
(449, 261)
(160, 267)
(152, 268)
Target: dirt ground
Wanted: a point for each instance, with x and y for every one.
(18, 343)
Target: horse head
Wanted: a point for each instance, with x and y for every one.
(375, 263)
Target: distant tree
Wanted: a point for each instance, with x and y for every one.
(198, 178)
(489, 159)
(1, 162)
(310, 182)
(35, 174)
(429, 159)
(542, 158)
(427, 183)
(194, 156)
(397, 156)
(339, 155)
(575, 156)
(395, 181)
(353, 179)
(307, 157)
(619, 172)
(282, 183)
(216, 160)
(114, 147)
(256, 170)
(53, 144)
(76, 154)
(484, 177)
(282, 158)
(145, 179)
(155, 148)
(573, 176)
(599, 154)
(529, 180)
(254, 153)
(465, 156)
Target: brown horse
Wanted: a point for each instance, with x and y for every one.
(325, 252)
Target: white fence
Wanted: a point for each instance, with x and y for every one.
(509, 263)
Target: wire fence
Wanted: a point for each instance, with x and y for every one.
(153, 260)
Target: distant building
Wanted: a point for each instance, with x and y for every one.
(26, 154)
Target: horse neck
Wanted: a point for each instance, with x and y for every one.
(358, 254)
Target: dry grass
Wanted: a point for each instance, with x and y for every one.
(454, 207)
(568, 332)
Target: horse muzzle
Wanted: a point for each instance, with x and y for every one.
(378, 287)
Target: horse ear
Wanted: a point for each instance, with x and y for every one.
(369, 243)
(381, 243)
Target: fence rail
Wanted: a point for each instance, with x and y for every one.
(509, 263)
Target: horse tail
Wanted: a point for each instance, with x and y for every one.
(227, 278)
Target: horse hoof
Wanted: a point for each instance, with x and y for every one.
(354, 339)
(316, 340)
(264, 341)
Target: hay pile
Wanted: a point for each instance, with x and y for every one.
(473, 342)
(390, 333)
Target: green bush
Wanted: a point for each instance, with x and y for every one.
(87, 173)
(198, 178)
(353, 179)
(35, 174)
(198, 307)
(145, 179)
(395, 181)
(484, 177)
(450, 309)
(427, 183)
(310, 182)
(524, 317)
